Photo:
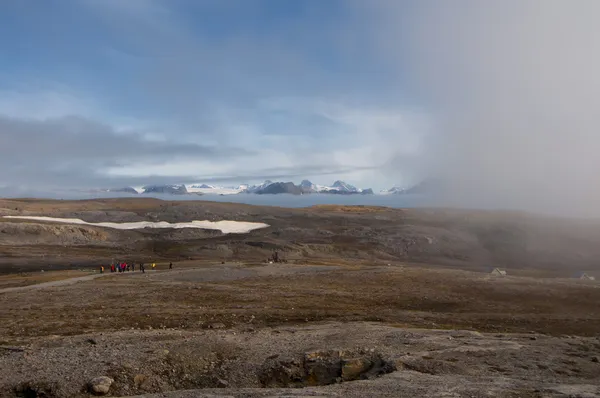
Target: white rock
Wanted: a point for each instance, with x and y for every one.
(100, 385)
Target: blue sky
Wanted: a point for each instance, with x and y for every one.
(224, 91)
(497, 98)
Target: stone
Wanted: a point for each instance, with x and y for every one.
(138, 380)
(222, 383)
(322, 367)
(282, 372)
(353, 368)
(596, 359)
(217, 325)
(100, 385)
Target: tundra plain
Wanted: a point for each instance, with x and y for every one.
(369, 301)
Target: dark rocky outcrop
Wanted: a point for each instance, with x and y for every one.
(320, 368)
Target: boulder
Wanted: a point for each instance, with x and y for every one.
(352, 369)
(100, 385)
(322, 367)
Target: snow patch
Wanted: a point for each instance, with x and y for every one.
(226, 227)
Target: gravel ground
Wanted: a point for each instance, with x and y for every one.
(228, 362)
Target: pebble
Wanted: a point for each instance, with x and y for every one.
(100, 385)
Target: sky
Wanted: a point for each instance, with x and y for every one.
(497, 99)
(108, 93)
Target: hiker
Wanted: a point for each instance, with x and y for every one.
(123, 267)
(102, 269)
(132, 267)
(142, 268)
(170, 265)
(153, 265)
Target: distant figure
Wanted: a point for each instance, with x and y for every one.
(132, 267)
(102, 269)
(123, 266)
(142, 268)
(170, 265)
(153, 265)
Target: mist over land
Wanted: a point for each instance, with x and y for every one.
(516, 95)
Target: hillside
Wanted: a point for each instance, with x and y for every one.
(456, 238)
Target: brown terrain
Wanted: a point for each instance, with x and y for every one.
(366, 302)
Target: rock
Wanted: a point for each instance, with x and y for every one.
(282, 372)
(138, 380)
(222, 383)
(320, 368)
(352, 369)
(217, 325)
(92, 341)
(100, 385)
(323, 367)
(596, 359)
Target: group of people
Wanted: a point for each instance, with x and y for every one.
(126, 267)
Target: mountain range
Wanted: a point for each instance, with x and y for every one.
(278, 187)
(425, 186)
(268, 187)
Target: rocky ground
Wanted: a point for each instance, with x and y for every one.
(372, 303)
(285, 330)
(326, 359)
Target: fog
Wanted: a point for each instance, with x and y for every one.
(515, 91)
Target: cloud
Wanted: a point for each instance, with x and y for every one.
(73, 151)
(514, 91)
(159, 91)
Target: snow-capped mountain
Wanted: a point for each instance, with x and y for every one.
(425, 186)
(344, 187)
(167, 188)
(258, 188)
(213, 189)
(392, 191)
(267, 187)
(306, 187)
(203, 186)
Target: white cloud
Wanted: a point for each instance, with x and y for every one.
(293, 103)
(514, 89)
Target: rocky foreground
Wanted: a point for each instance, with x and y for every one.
(327, 359)
(285, 330)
